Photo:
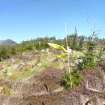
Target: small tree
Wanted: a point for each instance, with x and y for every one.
(90, 55)
(81, 42)
(74, 40)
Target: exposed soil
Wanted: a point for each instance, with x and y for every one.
(45, 89)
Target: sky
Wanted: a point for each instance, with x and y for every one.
(27, 19)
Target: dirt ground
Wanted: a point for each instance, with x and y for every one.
(40, 89)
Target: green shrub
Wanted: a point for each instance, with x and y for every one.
(74, 77)
(90, 59)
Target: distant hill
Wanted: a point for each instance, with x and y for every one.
(7, 42)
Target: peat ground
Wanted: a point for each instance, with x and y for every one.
(45, 89)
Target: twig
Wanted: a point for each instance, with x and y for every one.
(92, 89)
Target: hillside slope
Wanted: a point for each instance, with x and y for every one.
(7, 42)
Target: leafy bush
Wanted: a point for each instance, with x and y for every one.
(74, 77)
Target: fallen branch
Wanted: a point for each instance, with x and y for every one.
(92, 89)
